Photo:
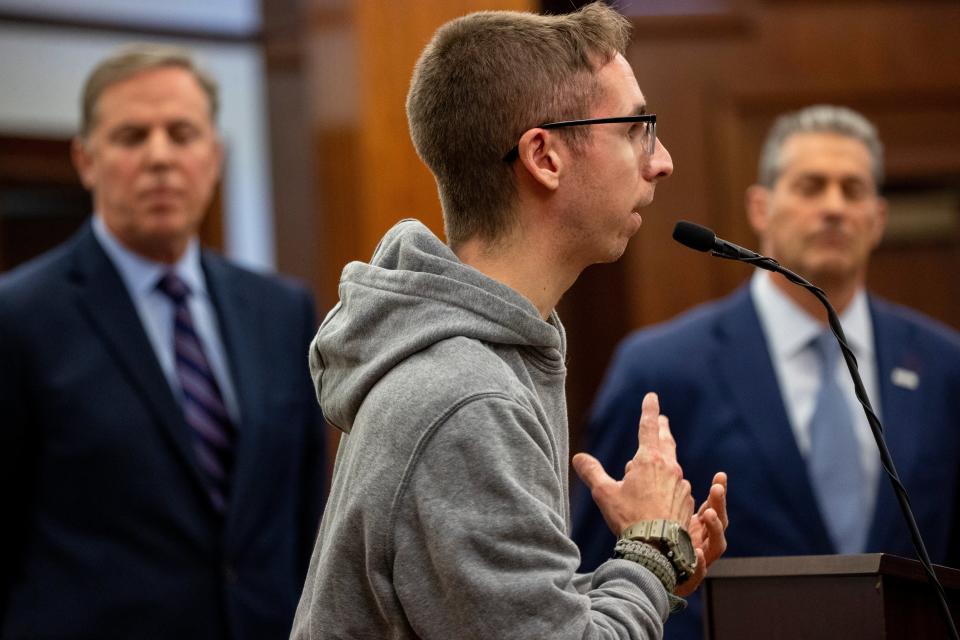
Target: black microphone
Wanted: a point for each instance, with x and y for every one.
(703, 239)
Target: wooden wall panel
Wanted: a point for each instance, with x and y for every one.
(42, 202)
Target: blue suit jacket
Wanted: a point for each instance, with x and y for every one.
(716, 382)
(107, 531)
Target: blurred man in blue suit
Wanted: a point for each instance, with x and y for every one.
(161, 448)
(744, 385)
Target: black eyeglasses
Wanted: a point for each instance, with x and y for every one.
(648, 137)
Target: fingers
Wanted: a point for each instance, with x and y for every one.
(708, 525)
(720, 478)
(695, 528)
(710, 547)
(717, 499)
(699, 574)
(682, 502)
(652, 486)
(654, 436)
(716, 519)
(648, 432)
(590, 470)
(715, 540)
(653, 432)
(667, 444)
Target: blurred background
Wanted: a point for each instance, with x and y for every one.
(319, 163)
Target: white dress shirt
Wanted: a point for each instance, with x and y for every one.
(156, 310)
(789, 331)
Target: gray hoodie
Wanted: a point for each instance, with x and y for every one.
(448, 516)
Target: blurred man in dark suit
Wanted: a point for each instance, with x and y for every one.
(753, 383)
(161, 448)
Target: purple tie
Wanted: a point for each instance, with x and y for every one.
(203, 405)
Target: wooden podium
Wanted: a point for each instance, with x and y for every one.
(861, 596)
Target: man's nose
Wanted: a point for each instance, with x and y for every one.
(660, 164)
(159, 147)
(833, 199)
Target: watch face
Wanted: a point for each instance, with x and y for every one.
(686, 560)
(669, 538)
(685, 550)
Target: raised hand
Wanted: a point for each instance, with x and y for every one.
(652, 486)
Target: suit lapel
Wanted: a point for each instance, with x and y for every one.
(743, 353)
(239, 319)
(104, 300)
(901, 406)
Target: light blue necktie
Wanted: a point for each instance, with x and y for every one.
(834, 460)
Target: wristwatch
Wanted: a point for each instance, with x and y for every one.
(670, 539)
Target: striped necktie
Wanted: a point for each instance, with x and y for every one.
(834, 462)
(202, 402)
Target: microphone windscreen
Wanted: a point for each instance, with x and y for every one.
(694, 236)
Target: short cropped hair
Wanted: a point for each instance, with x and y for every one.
(486, 78)
(134, 59)
(819, 119)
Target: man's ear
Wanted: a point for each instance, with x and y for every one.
(539, 156)
(82, 162)
(757, 202)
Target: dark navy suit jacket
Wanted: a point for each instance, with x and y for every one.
(107, 530)
(716, 382)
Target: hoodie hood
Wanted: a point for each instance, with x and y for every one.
(414, 293)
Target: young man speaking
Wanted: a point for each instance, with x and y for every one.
(444, 364)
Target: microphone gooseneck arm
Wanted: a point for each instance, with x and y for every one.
(702, 239)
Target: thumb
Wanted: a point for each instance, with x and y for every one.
(590, 470)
